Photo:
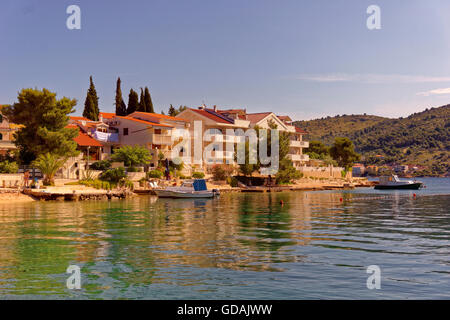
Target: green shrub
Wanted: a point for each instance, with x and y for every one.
(127, 183)
(8, 167)
(101, 165)
(154, 174)
(232, 181)
(97, 184)
(198, 175)
(113, 175)
(286, 173)
(221, 171)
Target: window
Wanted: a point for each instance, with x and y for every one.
(125, 131)
(157, 131)
(1, 136)
(1, 118)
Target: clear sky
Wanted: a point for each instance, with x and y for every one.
(305, 58)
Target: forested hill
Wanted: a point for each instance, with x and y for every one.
(422, 138)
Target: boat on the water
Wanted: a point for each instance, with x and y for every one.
(189, 189)
(393, 182)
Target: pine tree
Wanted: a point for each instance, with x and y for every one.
(148, 101)
(121, 108)
(142, 102)
(172, 111)
(91, 109)
(41, 133)
(133, 101)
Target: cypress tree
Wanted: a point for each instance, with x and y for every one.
(148, 101)
(133, 101)
(92, 111)
(142, 102)
(172, 111)
(89, 108)
(121, 108)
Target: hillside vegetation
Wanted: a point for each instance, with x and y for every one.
(422, 138)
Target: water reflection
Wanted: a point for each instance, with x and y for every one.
(126, 247)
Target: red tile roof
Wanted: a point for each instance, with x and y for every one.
(257, 117)
(298, 130)
(285, 118)
(145, 122)
(211, 114)
(79, 119)
(157, 115)
(83, 139)
(107, 115)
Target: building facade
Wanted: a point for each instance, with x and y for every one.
(233, 119)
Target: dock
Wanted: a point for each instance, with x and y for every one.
(44, 195)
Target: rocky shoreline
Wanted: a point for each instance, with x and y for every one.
(81, 193)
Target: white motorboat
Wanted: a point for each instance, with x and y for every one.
(393, 182)
(189, 189)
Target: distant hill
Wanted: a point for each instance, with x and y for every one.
(422, 138)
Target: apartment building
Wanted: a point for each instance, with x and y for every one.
(157, 132)
(221, 120)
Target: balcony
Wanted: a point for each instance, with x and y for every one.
(162, 139)
(299, 144)
(298, 157)
(5, 144)
(106, 137)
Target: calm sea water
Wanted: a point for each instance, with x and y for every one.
(239, 246)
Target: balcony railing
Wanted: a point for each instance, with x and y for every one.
(299, 144)
(298, 157)
(162, 139)
(106, 137)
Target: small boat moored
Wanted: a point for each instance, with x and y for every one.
(393, 182)
(189, 189)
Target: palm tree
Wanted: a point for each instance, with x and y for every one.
(49, 164)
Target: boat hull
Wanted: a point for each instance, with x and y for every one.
(409, 186)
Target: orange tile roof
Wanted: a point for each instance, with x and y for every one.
(79, 119)
(161, 116)
(107, 115)
(145, 122)
(83, 139)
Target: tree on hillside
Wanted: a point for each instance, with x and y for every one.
(44, 120)
(148, 101)
(91, 109)
(343, 151)
(141, 107)
(121, 108)
(133, 101)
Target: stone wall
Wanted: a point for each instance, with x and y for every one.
(323, 172)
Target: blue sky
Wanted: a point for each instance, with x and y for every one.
(307, 59)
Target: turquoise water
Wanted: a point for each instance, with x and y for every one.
(317, 245)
